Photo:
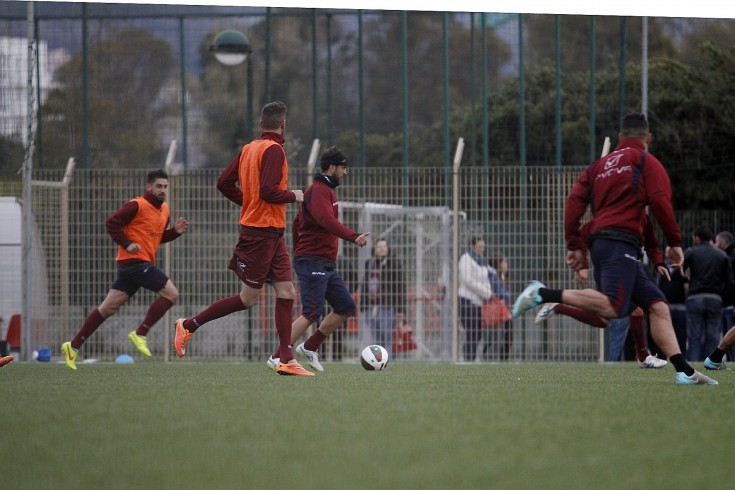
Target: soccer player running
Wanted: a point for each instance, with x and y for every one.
(138, 228)
(316, 233)
(261, 254)
(619, 187)
(643, 355)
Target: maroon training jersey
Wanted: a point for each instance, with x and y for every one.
(316, 228)
(618, 187)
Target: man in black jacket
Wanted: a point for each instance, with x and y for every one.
(709, 273)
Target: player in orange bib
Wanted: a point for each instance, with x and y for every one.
(261, 255)
(139, 227)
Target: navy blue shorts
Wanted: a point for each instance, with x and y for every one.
(318, 282)
(131, 277)
(621, 277)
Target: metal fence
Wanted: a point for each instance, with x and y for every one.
(518, 212)
(112, 85)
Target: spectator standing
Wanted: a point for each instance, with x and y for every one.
(709, 272)
(498, 271)
(383, 293)
(474, 288)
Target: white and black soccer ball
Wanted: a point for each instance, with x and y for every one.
(374, 357)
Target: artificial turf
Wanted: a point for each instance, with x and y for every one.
(414, 425)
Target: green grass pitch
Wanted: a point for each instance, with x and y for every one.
(239, 425)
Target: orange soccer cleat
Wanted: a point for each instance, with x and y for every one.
(292, 368)
(6, 360)
(182, 337)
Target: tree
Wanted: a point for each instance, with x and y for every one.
(126, 73)
(575, 40)
(691, 111)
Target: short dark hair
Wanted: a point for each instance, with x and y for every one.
(475, 239)
(726, 237)
(332, 156)
(703, 233)
(157, 174)
(635, 125)
(273, 114)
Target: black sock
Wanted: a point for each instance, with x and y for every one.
(550, 295)
(717, 355)
(681, 365)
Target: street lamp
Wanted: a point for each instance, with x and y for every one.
(231, 48)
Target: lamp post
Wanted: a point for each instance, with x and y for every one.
(231, 48)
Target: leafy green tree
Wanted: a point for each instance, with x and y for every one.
(576, 39)
(127, 72)
(691, 109)
(222, 91)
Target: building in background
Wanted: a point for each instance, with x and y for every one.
(14, 94)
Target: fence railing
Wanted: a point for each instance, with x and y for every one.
(517, 211)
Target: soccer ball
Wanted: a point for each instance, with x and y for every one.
(374, 357)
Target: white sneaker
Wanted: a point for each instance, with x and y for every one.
(546, 312)
(311, 356)
(653, 362)
(272, 362)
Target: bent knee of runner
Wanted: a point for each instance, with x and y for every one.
(249, 296)
(170, 292)
(347, 313)
(346, 308)
(285, 290)
(312, 312)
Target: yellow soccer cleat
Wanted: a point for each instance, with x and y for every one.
(70, 355)
(140, 342)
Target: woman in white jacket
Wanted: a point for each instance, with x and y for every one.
(474, 288)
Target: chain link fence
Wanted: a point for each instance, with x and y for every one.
(519, 213)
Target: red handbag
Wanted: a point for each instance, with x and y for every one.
(494, 313)
(403, 340)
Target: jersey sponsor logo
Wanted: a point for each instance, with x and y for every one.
(611, 167)
(613, 171)
(613, 161)
(318, 273)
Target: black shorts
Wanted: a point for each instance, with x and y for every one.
(131, 277)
